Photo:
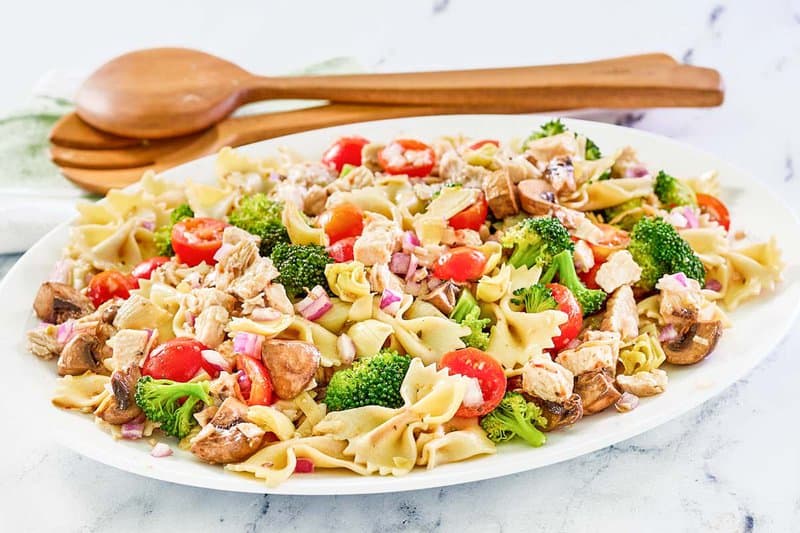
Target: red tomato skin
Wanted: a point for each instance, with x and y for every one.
(412, 171)
(342, 221)
(110, 284)
(715, 208)
(460, 264)
(342, 250)
(589, 278)
(196, 240)
(144, 270)
(259, 391)
(569, 305)
(472, 217)
(178, 359)
(479, 144)
(345, 151)
(478, 364)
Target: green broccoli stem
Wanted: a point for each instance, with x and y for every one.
(524, 428)
(465, 304)
(524, 255)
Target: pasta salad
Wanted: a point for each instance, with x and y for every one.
(390, 305)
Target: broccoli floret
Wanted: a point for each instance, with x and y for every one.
(160, 400)
(673, 192)
(162, 237)
(555, 127)
(301, 267)
(657, 247)
(536, 241)
(593, 152)
(261, 216)
(515, 417)
(374, 380)
(628, 221)
(590, 300)
(535, 299)
(468, 313)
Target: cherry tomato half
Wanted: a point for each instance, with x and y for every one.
(196, 240)
(567, 304)
(110, 284)
(589, 278)
(477, 364)
(407, 156)
(178, 359)
(479, 144)
(254, 381)
(714, 208)
(460, 264)
(145, 269)
(342, 221)
(472, 217)
(345, 151)
(613, 239)
(342, 250)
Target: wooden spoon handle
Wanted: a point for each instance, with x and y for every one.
(247, 129)
(624, 82)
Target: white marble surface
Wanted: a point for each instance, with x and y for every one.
(730, 465)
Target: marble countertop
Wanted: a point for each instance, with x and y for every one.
(729, 465)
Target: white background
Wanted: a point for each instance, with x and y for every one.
(731, 465)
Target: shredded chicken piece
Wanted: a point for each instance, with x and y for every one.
(210, 324)
(683, 302)
(314, 202)
(275, 297)
(129, 347)
(599, 350)
(547, 380)
(380, 278)
(255, 279)
(43, 344)
(644, 383)
(380, 238)
(621, 314)
(583, 256)
(619, 270)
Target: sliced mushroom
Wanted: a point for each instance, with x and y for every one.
(443, 297)
(694, 344)
(559, 415)
(108, 311)
(536, 196)
(57, 302)
(596, 390)
(122, 407)
(291, 365)
(80, 354)
(228, 437)
(501, 194)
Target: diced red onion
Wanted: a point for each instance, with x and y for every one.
(691, 218)
(248, 344)
(223, 252)
(346, 348)
(667, 333)
(60, 273)
(574, 343)
(304, 466)
(413, 263)
(274, 176)
(681, 278)
(215, 358)
(627, 402)
(410, 241)
(713, 285)
(637, 171)
(399, 263)
(161, 450)
(133, 430)
(149, 225)
(189, 318)
(389, 297)
(473, 395)
(316, 304)
(265, 314)
(65, 331)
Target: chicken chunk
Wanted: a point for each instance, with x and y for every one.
(541, 151)
(683, 302)
(547, 380)
(254, 279)
(621, 314)
(597, 391)
(209, 326)
(644, 383)
(42, 343)
(57, 302)
(241, 252)
(129, 347)
(619, 270)
(199, 299)
(501, 194)
(583, 256)
(314, 202)
(561, 174)
(275, 297)
(228, 437)
(379, 240)
(600, 350)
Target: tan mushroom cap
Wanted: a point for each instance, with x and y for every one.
(694, 344)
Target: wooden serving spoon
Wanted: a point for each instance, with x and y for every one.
(169, 92)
